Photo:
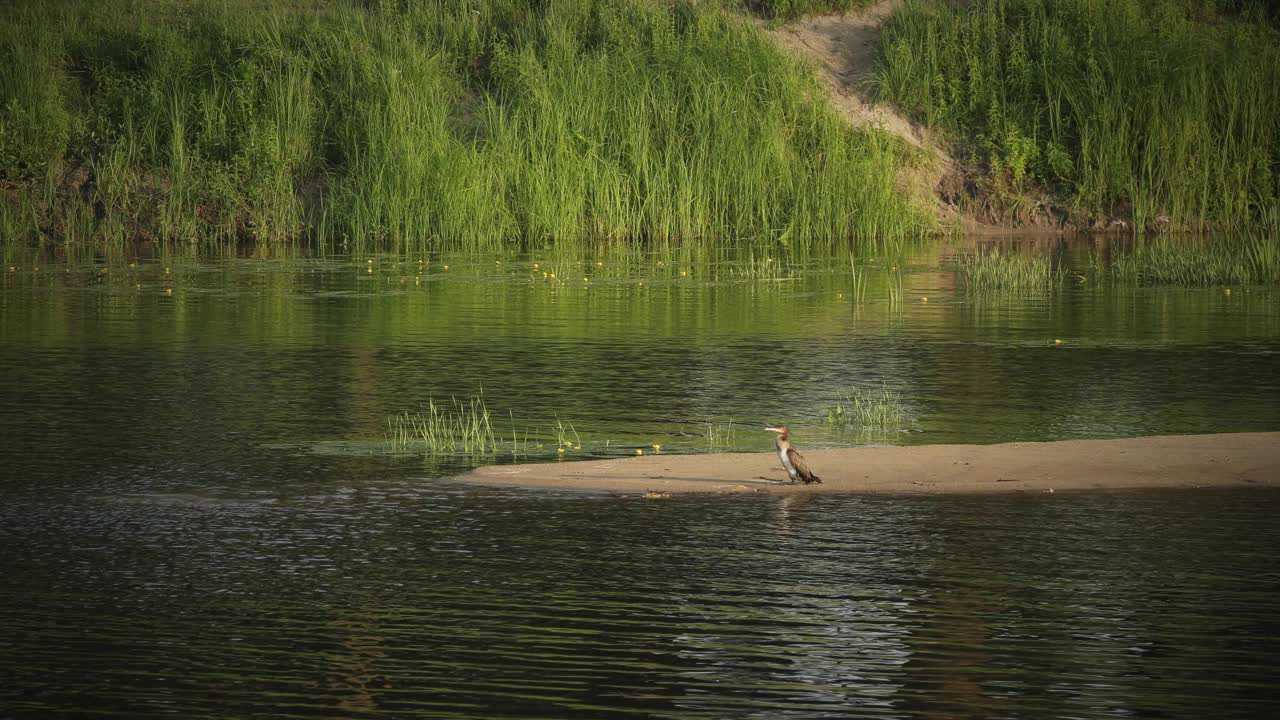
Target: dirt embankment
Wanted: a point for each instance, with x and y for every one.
(843, 49)
(1173, 461)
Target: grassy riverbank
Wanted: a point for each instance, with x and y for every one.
(791, 9)
(1167, 113)
(419, 125)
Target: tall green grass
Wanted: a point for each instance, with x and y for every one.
(869, 412)
(421, 125)
(1251, 259)
(1163, 110)
(455, 427)
(791, 9)
(1007, 270)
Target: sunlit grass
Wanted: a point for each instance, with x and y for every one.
(877, 412)
(454, 428)
(790, 9)
(417, 127)
(1164, 111)
(1007, 270)
(1243, 260)
(720, 435)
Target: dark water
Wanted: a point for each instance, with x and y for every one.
(199, 518)
(382, 598)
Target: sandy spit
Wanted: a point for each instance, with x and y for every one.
(1168, 461)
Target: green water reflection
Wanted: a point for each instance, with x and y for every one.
(630, 349)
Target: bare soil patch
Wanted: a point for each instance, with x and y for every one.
(843, 49)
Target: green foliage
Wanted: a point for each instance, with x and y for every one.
(415, 126)
(454, 428)
(35, 124)
(1250, 259)
(870, 412)
(792, 9)
(997, 270)
(1155, 108)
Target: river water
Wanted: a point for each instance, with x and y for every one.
(202, 517)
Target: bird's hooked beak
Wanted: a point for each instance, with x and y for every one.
(775, 430)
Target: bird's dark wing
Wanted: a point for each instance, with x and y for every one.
(802, 467)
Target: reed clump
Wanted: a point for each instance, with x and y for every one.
(1008, 270)
(457, 427)
(418, 125)
(1162, 111)
(1252, 259)
(720, 435)
(869, 411)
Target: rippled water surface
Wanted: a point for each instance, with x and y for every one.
(201, 518)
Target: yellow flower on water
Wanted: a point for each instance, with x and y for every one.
(657, 446)
(560, 450)
(168, 291)
(924, 299)
(1226, 291)
(599, 264)
(370, 261)
(1057, 341)
(446, 267)
(683, 273)
(553, 276)
(639, 451)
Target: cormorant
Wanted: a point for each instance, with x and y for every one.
(792, 460)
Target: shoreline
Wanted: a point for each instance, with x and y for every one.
(1162, 461)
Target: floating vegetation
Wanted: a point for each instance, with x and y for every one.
(874, 412)
(999, 270)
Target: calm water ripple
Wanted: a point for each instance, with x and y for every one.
(434, 603)
(199, 522)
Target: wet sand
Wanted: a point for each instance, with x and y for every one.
(1169, 461)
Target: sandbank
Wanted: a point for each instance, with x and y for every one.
(1166, 461)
